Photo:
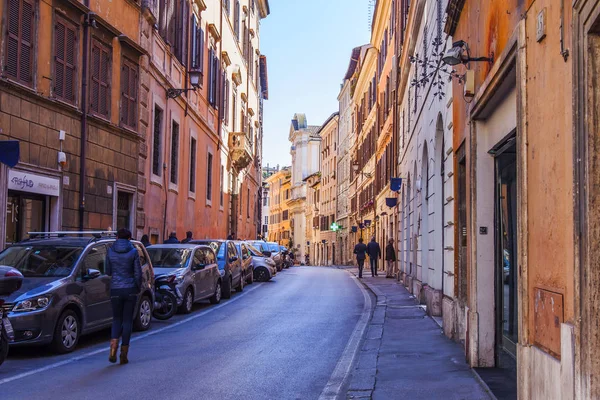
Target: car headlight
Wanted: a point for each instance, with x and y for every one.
(34, 304)
(179, 279)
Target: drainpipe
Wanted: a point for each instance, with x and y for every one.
(84, 100)
(442, 172)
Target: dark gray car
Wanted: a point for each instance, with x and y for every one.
(65, 292)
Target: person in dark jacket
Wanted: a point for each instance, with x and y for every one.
(146, 241)
(172, 238)
(374, 252)
(188, 237)
(123, 267)
(231, 236)
(390, 257)
(361, 253)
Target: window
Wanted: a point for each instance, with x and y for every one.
(265, 201)
(174, 151)
(129, 85)
(157, 141)
(236, 20)
(100, 80)
(19, 40)
(266, 220)
(286, 215)
(197, 46)
(209, 177)
(222, 178)
(65, 58)
(193, 166)
(94, 259)
(181, 41)
(227, 6)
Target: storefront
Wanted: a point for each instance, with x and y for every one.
(32, 204)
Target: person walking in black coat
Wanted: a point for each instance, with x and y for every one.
(146, 241)
(374, 252)
(390, 257)
(188, 237)
(123, 267)
(361, 253)
(172, 238)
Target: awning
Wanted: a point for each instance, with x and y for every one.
(9, 152)
(391, 201)
(395, 184)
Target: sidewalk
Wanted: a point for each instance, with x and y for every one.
(405, 355)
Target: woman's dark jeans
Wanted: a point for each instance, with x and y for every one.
(123, 304)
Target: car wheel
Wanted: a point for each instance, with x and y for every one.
(261, 275)
(67, 332)
(216, 298)
(144, 315)
(227, 289)
(240, 287)
(188, 302)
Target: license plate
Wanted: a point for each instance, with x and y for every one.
(9, 329)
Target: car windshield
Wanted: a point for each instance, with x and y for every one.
(169, 258)
(41, 261)
(217, 247)
(254, 251)
(274, 248)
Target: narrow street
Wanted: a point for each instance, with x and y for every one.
(276, 340)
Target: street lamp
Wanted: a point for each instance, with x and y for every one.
(456, 55)
(195, 78)
(356, 167)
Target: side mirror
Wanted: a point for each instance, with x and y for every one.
(267, 253)
(199, 266)
(92, 274)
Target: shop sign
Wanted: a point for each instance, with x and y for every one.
(31, 183)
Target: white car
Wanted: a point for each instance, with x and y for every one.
(264, 267)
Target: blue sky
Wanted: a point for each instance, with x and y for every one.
(308, 45)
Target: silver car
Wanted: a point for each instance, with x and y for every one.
(195, 269)
(264, 267)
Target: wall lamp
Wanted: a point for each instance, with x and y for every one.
(459, 54)
(356, 167)
(195, 77)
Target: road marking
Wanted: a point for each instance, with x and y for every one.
(133, 339)
(341, 373)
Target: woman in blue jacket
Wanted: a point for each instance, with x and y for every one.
(123, 266)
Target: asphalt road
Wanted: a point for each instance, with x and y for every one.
(276, 340)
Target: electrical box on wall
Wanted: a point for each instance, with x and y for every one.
(469, 84)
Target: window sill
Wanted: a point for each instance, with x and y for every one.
(191, 196)
(173, 188)
(208, 203)
(156, 180)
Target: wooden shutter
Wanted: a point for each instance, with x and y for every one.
(65, 50)
(129, 86)
(100, 80)
(201, 49)
(181, 43)
(194, 46)
(210, 75)
(19, 41)
(171, 21)
(226, 102)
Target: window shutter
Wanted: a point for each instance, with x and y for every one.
(19, 41)
(183, 19)
(201, 50)
(95, 81)
(104, 83)
(171, 20)
(226, 105)
(194, 43)
(124, 94)
(70, 61)
(133, 85)
(210, 75)
(59, 59)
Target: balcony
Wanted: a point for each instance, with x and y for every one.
(240, 150)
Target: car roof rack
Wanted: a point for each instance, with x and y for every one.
(95, 234)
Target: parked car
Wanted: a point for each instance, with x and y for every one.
(229, 262)
(265, 249)
(195, 270)
(65, 292)
(246, 257)
(264, 267)
(276, 254)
